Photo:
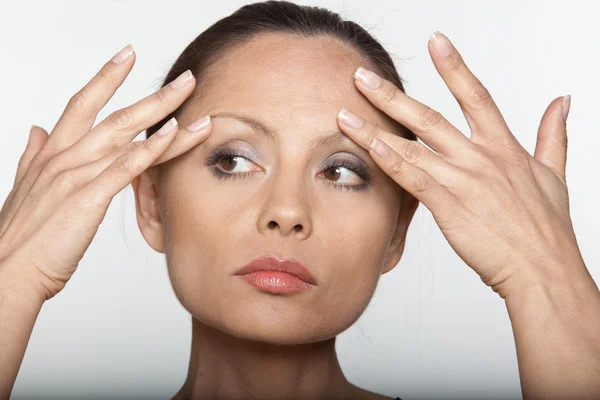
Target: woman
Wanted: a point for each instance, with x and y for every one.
(279, 176)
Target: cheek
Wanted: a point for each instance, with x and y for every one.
(198, 236)
(359, 243)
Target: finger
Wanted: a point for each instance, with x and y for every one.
(37, 138)
(123, 125)
(483, 116)
(552, 142)
(413, 179)
(23, 181)
(127, 167)
(429, 125)
(412, 151)
(83, 108)
(183, 142)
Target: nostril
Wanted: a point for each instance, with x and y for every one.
(272, 224)
(298, 228)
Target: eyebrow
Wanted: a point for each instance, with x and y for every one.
(334, 137)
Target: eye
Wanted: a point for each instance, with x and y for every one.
(229, 164)
(233, 164)
(345, 174)
(342, 175)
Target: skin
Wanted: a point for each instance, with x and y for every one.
(245, 339)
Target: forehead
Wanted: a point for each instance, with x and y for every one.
(293, 83)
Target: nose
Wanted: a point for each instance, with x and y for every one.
(286, 209)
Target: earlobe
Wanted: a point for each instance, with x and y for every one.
(397, 245)
(147, 210)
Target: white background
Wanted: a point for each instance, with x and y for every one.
(433, 330)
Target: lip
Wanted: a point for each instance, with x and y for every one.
(277, 275)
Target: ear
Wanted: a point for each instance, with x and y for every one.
(147, 209)
(407, 211)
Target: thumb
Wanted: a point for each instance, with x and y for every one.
(37, 138)
(551, 145)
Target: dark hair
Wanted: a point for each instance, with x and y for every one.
(275, 16)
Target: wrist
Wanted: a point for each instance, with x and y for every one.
(18, 287)
(553, 289)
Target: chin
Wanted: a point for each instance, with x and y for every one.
(276, 332)
(271, 320)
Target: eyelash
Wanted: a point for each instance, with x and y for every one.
(362, 172)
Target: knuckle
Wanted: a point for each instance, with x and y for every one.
(428, 119)
(479, 95)
(421, 182)
(121, 119)
(127, 164)
(413, 151)
(562, 141)
(113, 142)
(130, 146)
(453, 63)
(517, 157)
(53, 167)
(161, 96)
(398, 167)
(65, 182)
(389, 93)
(79, 104)
(106, 74)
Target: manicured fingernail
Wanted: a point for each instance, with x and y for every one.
(182, 80)
(199, 124)
(566, 106)
(441, 44)
(369, 78)
(353, 120)
(167, 128)
(30, 132)
(123, 55)
(379, 147)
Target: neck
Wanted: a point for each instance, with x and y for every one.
(223, 366)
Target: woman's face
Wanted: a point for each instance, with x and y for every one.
(287, 196)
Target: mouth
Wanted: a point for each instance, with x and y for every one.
(278, 276)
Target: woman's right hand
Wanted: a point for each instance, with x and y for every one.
(65, 181)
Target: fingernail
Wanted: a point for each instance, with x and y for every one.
(182, 80)
(199, 124)
(123, 55)
(353, 120)
(441, 44)
(167, 128)
(369, 78)
(566, 106)
(30, 131)
(379, 147)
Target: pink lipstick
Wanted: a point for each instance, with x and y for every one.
(274, 275)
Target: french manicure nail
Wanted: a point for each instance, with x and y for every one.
(566, 106)
(351, 119)
(441, 44)
(182, 80)
(370, 79)
(167, 128)
(199, 124)
(123, 55)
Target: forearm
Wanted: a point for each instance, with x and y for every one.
(19, 308)
(556, 325)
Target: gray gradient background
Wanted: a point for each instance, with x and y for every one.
(433, 330)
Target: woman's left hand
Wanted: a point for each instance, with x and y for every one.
(504, 212)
